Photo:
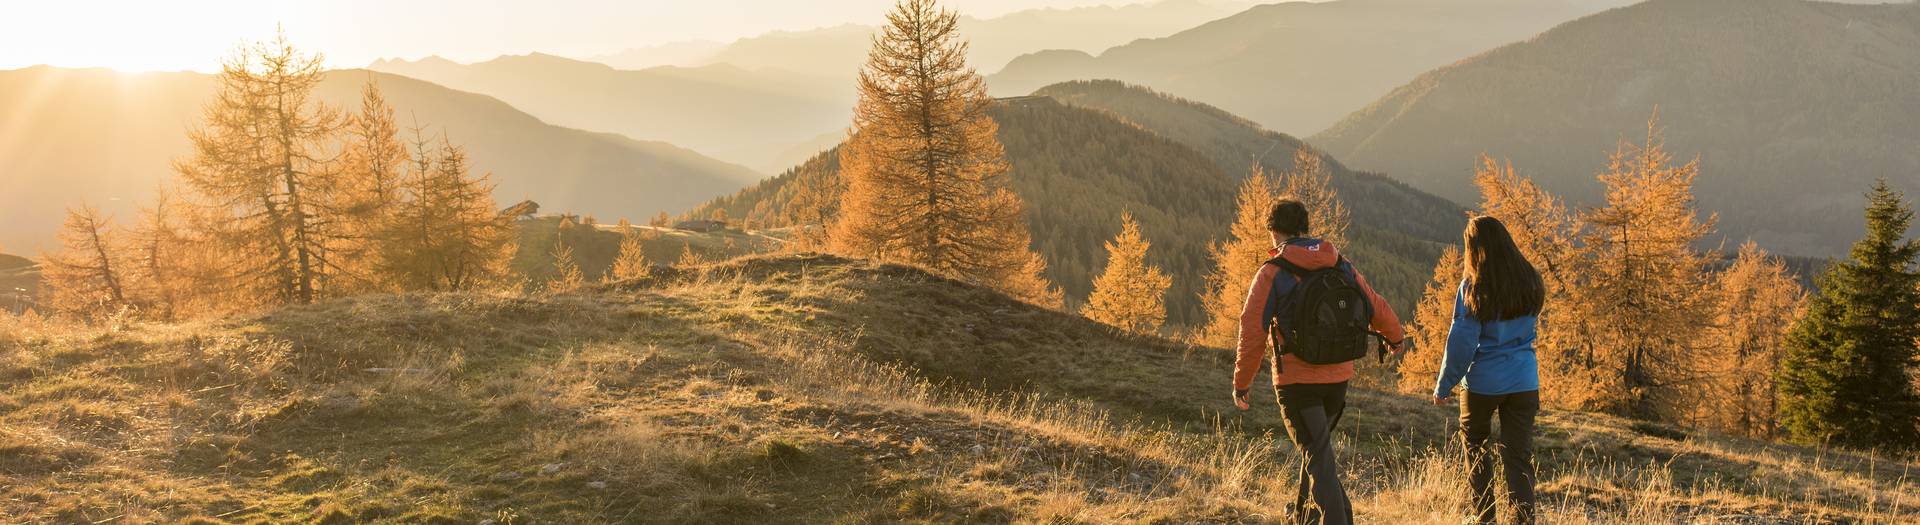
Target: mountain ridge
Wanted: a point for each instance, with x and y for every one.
(1792, 107)
(1297, 66)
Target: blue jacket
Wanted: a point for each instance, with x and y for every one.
(1495, 357)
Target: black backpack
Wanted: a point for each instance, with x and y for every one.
(1322, 316)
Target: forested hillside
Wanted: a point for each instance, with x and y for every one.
(1078, 170)
(1174, 168)
(1793, 107)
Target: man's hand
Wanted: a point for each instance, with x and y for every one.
(1398, 348)
(1442, 400)
(1240, 398)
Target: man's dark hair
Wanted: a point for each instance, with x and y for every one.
(1288, 217)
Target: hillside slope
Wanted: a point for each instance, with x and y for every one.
(1378, 202)
(1084, 151)
(794, 389)
(68, 135)
(1793, 107)
(19, 283)
(1078, 170)
(1296, 67)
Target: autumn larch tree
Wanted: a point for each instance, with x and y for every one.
(87, 279)
(631, 262)
(688, 257)
(1432, 319)
(1645, 294)
(1547, 234)
(372, 167)
(1130, 295)
(446, 233)
(1847, 378)
(259, 171)
(173, 273)
(1759, 300)
(1235, 260)
(1312, 184)
(566, 273)
(926, 177)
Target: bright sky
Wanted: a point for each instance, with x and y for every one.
(160, 35)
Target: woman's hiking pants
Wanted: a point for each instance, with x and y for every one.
(1516, 412)
(1312, 412)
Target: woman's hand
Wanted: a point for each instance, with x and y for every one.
(1240, 398)
(1441, 401)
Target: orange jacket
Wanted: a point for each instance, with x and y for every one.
(1308, 254)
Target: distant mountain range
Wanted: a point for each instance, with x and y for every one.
(766, 101)
(688, 53)
(839, 50)
(108, 138)
(1086, 151)
(1296, 67)
(1793, 108)
(745, 115)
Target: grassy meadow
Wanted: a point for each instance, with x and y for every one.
(796, 388)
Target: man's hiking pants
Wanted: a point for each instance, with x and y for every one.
(1312, 412)
(1516, 412)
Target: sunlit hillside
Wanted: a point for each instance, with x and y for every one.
(1083, 152)
(960, 261)
(109, 139)
(810, 389)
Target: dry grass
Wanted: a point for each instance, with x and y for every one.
(776, 389)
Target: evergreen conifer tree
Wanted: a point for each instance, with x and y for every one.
(1847, 378)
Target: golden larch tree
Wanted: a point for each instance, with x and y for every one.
(1759, 301)
(566, 273)
(1547, 234)
(1432, 320)
(1130, 294)
(372, 167)
(1236, 260)
(446, 234)
(88, 277)
(688, 257)
(260, 172)
(631, 262)
(1646, 290)
(173, 274)
(1311, 183)
(926, 177)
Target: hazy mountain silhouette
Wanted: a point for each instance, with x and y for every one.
(108, 138)
(1296, 67)
(759, 100)
(686, 53)
(733, 113)
(992, 42)
(1793, 107)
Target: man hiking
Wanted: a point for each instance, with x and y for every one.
(1320, 313)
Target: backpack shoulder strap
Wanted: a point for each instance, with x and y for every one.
(1289, 266)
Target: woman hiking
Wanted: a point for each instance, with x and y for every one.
(1490, 345)
(1312, 360)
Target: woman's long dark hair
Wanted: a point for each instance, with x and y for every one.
(1504, 285)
